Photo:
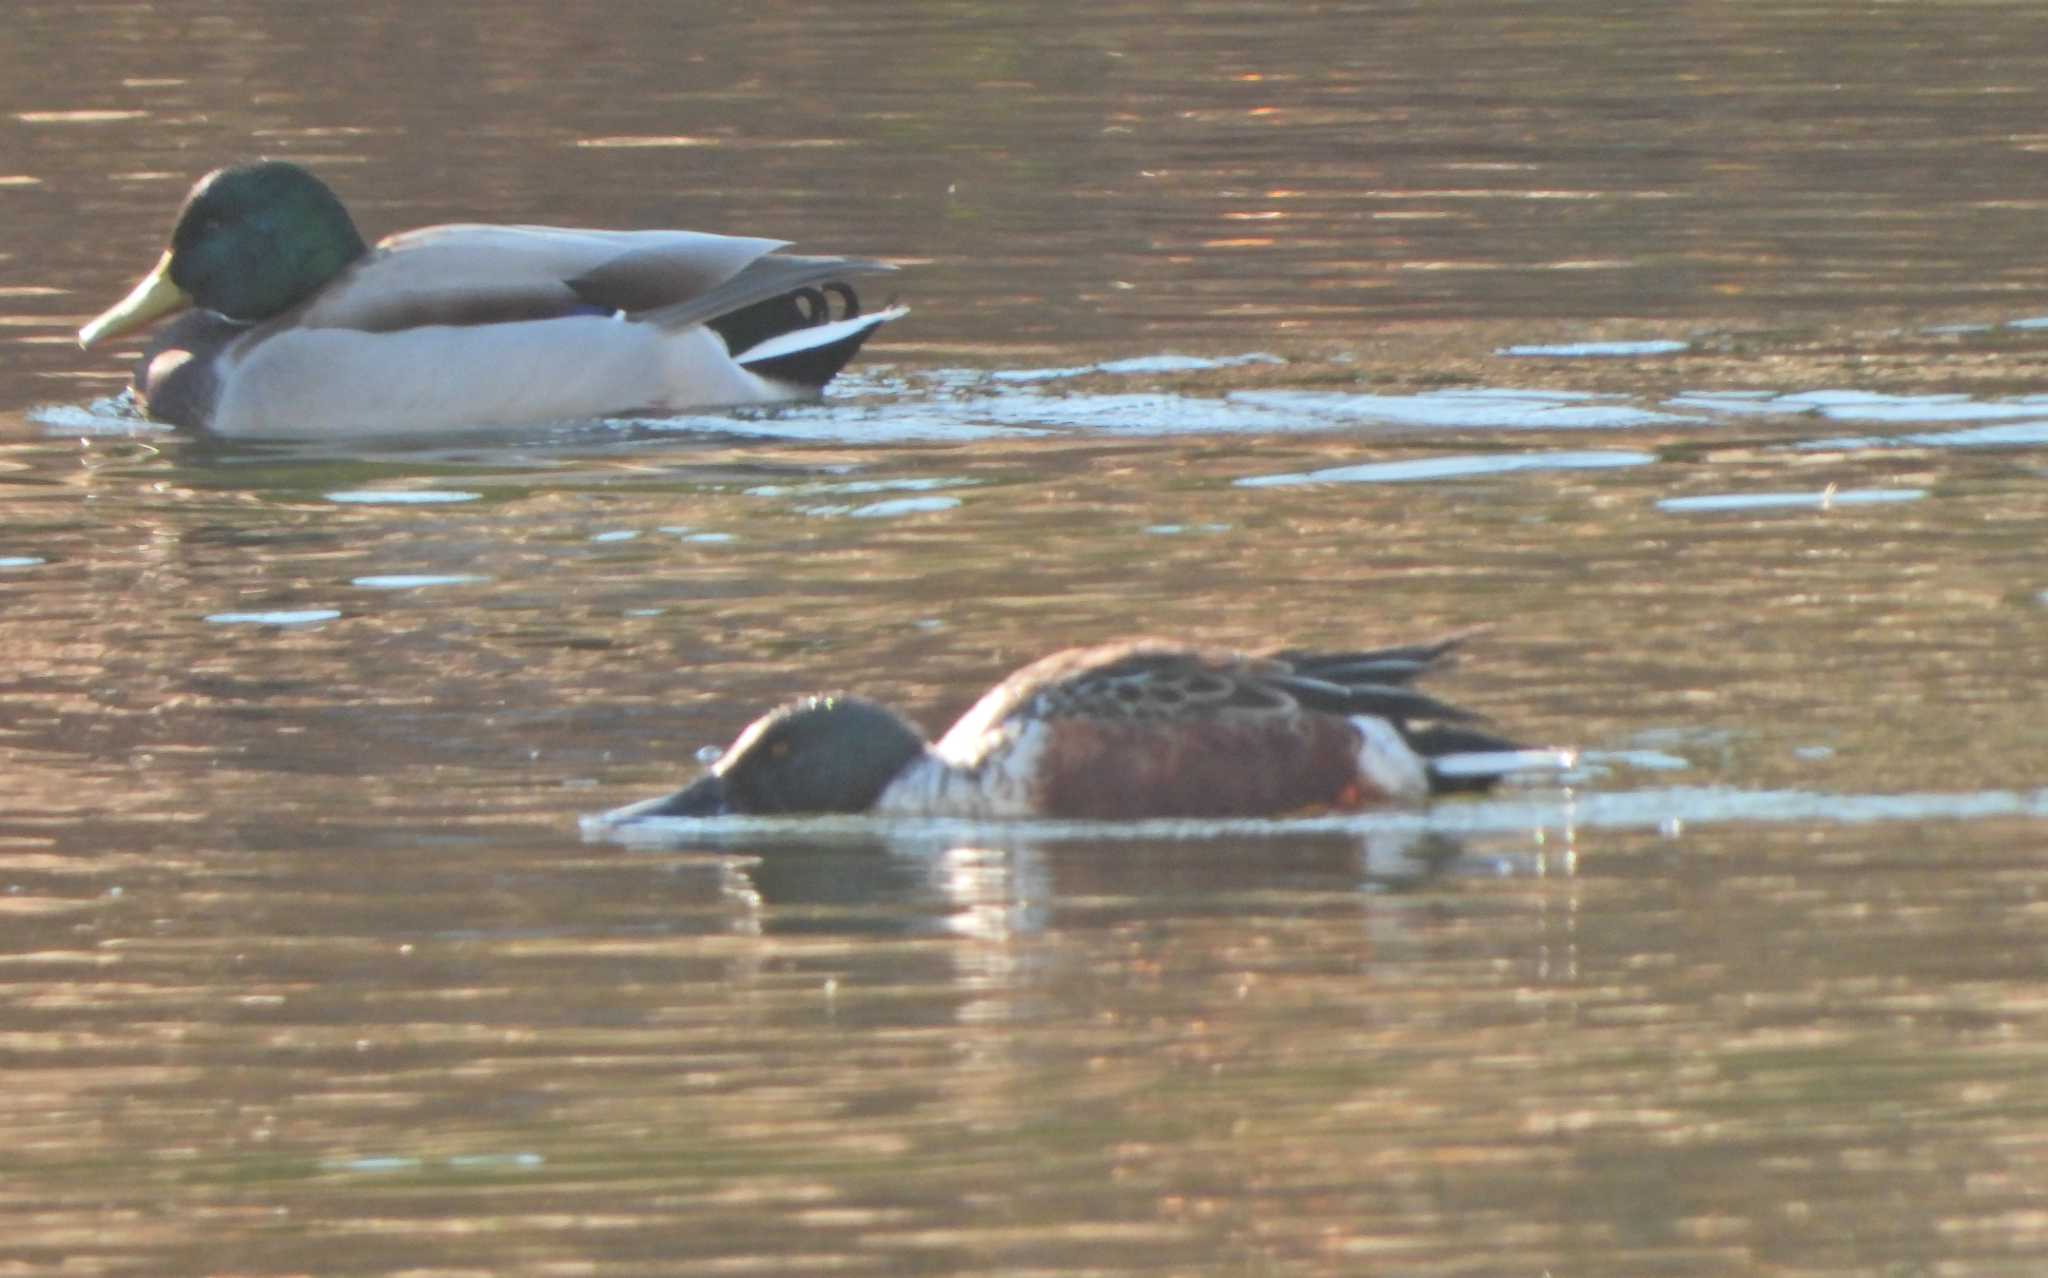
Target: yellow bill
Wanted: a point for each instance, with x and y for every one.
(152, 299)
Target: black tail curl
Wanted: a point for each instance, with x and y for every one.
(805, 307)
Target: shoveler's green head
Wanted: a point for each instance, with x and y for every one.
(821, 754)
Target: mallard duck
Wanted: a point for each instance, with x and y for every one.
(297, 330)
(1142, 728)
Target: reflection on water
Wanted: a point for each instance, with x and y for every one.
(1668, 809)
(1004, 885)
(1457, 467)
(997, 880)
(415, 581)
(1825, 499)
(300, 899)
(305, 951)
(283, 617)
(1596, 350)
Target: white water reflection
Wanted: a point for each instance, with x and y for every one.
(1461, 466)
(1127, 413)
(278, 617)
(1596, 350)
(1825, 499)
(1863, 406)
(1152, 364)
(892, 509)
(2029, 434)
(1502, 408)
(1013, 402)
(389, 1164)
(415, 581)
(859, 486)
(1600, 762)
(111, 416)
(927, 502)
(997, 877)
(401, 497)
(1553, 811)
(956, 405)
(966, 405)
(908, 423)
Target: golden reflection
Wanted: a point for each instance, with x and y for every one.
(642, 143)
(78, 117)
(301, 945)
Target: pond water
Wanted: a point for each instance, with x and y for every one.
(1691, 354)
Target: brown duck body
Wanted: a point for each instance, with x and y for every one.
(1155, 728)
(1139, 729)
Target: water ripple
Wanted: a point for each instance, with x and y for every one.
(1461, 466)
(1826, 499)
(1648, 809)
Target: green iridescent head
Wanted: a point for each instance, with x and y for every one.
(251, 241)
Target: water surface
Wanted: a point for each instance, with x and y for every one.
(1691, 356)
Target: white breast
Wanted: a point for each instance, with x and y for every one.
(994, 783)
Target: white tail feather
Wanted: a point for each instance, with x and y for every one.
(815, 335)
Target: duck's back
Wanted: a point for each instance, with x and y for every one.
(471, 274)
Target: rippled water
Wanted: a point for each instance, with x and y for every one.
(1692, 354)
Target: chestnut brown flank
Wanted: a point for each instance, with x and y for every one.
(1216, 767)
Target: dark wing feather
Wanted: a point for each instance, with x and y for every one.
(1374, 681)
(1373, 665)
(1156, 680)
(762, 279)
(1122, 687)
(1155, 684)
(645, 279)
(1388, 701)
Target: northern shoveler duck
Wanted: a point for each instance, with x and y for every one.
(303, 332)
(1125, 731)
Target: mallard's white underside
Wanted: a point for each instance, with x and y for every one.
(322, 382)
